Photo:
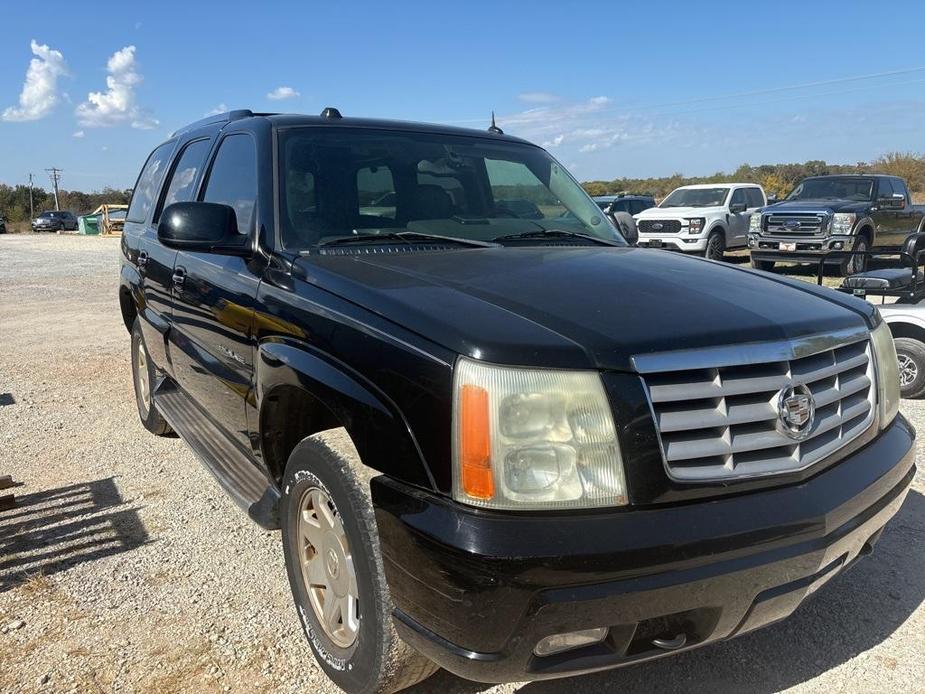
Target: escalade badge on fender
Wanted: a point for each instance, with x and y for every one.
(796, 410)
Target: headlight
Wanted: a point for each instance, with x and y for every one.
(842, 222)
(695, 225)
(887, 368)
(754, 223)
(533, 439)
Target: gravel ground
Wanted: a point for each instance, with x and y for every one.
(124, 567)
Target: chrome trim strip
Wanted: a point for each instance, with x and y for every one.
(746, 353)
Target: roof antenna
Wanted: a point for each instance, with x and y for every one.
(494, 128)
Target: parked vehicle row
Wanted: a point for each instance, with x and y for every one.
(496, 438)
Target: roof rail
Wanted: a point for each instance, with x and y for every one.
(226, 117)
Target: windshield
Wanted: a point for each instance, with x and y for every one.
(696, 197)
(345, 182)
(835, 188)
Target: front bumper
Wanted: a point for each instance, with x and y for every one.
(677, 242)
(804, 249)
(475, 591)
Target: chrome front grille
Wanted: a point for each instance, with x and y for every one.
(658, 226)
(718, 411)
(798, 224)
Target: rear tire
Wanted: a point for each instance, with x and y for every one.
(326, 496)
(911, 355)
(763, 265)
(716, 246)
(143, 376)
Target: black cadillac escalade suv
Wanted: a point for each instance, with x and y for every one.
(509, 446)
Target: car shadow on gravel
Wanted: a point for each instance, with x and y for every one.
(852, 614)
(55, 529)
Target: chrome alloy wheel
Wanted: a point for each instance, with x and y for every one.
(144, 383)
(908, 370)
(327, 567)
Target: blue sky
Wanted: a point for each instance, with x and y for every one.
(612, 89)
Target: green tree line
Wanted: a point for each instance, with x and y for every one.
(14, 200)
(775, 178)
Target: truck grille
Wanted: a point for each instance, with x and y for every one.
(718, 415)
(668, 226)
(799, 224)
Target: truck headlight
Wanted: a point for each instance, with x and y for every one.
(887, 368)
(529, 439)
(695, 225)
(754, 223)
(842, 222)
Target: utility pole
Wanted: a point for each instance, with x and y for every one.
(31, 211)
(55, 175)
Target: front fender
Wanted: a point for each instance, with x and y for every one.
(380, 432)
(866, 222)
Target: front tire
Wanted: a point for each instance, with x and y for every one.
(334, 564)
(716, 246)
(854, 264)
(911, 355)
(143, 376)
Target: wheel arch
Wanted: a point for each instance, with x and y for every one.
(867, 228)
(130, 295)
(901, 328)
(301, 392)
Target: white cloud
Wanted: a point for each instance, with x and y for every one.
(116, 106)
(281, 93)
(39, 93)
(79, 134)
(538, 97)
(555, 142)
(221, 108)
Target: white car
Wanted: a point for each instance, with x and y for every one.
(707, 218)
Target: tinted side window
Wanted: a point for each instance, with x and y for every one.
(755, 199)
(885, 188)
(149, 183)
(899, 186)
(620, 206)
(738, 197)
(233, 179)
(180, 186)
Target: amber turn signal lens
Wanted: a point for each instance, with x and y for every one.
(474, 443)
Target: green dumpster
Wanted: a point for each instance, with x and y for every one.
(88, 224)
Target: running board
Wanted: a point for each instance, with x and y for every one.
(232, 468)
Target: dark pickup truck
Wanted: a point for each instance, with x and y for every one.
(514, 448)
(825, 214)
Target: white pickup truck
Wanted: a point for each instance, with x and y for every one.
(705, 218)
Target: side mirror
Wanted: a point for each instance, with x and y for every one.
(738, 207)
(772, 198)
(206, 227)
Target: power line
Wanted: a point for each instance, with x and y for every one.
(756, 92)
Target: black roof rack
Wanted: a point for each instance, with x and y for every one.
(226, 117)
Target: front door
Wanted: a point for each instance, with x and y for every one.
(214, 298)
(738, 221)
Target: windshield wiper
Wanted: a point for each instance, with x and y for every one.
(558, 233)
(407, 237)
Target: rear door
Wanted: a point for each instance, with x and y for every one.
(907, 218)
(214, 295)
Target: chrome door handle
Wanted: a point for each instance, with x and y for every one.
(179, 275)
(142, 258)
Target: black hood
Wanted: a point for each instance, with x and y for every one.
(821, 204)
(579, 307)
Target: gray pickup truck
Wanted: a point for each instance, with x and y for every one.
(850, 212)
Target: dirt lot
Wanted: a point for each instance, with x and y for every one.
(125, 568)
